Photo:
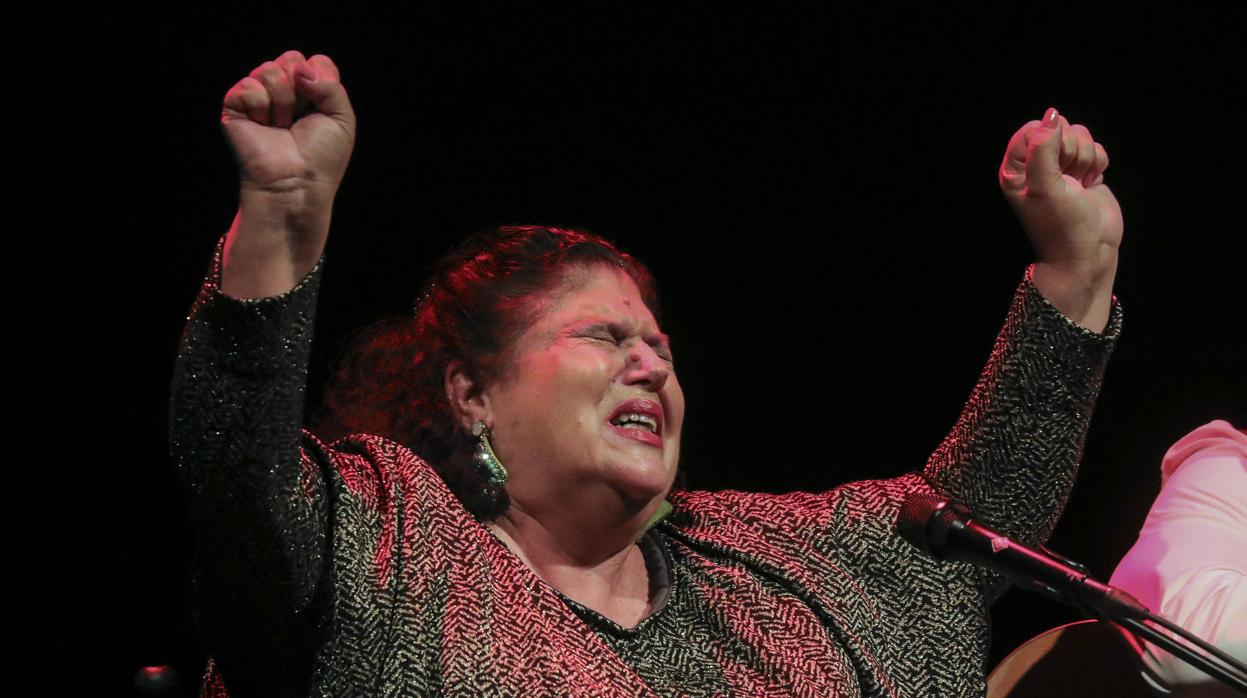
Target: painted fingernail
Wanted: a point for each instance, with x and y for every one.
(1050, 118)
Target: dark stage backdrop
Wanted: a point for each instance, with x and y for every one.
(817, 194)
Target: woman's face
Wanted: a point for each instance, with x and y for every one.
(589, 397)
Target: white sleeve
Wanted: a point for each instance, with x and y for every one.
(1190, 562)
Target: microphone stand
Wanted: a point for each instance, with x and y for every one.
(1216, 664)
(947, 531)
(1103, 602)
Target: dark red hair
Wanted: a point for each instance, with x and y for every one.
(480, 299)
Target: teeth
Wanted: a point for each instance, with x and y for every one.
(641, 420)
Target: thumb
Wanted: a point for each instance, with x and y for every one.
(325, 93)
(1043, 155)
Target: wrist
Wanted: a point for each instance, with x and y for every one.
(294, 217)
(1081, 292)
(272, 245)
(296, 206)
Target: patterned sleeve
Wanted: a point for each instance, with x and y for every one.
(255, 496)
(1013, 453)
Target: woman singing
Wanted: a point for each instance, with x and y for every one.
(502, 519)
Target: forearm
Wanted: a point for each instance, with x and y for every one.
(1014, 451)
(237, 407)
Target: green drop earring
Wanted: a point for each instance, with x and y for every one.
(485, 456)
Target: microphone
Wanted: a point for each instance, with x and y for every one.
(947, 530)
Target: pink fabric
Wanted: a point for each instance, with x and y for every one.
(1190, 562)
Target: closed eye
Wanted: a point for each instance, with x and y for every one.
(663, 351)
(617, 334)
(602, 333)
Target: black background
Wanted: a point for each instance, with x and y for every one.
(815, 189)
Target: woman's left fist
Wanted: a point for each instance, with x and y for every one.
(1053, 177)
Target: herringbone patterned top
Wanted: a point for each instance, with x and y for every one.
(350, 569)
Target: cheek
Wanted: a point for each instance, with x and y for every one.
(572, 385)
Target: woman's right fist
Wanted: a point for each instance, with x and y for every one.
(291, 127)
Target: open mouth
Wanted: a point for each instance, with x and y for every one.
(640, 420)
(631, 420)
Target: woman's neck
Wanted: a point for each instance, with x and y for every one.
(614, 583)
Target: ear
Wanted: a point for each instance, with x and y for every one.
(468, 401)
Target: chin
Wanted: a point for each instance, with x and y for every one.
(646, 483)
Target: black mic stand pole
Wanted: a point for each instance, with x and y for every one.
(928, 522)
(1108, 603)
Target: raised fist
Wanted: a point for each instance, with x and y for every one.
(1053, 177)
(291, 126)
(292, 129)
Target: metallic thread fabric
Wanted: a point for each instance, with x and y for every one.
(350, 569)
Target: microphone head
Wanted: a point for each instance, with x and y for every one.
(914, 523)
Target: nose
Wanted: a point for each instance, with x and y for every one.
(646, 368)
